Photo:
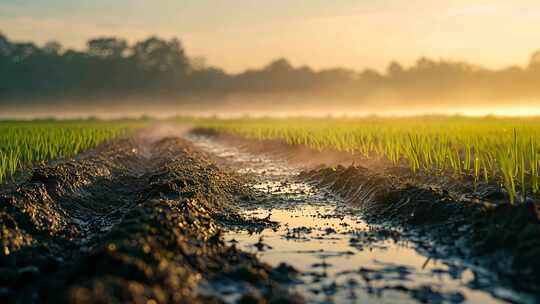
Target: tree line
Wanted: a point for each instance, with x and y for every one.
(110, 66)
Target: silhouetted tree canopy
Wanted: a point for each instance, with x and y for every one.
(53, 48)
(535, 60)
(107, 48)
(112, 66)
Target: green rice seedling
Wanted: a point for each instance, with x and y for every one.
(535, 184)
(25, 143)
(476, 172)
(502, 151)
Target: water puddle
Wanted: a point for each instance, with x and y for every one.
(339, 258)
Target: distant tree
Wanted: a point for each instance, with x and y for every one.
(371, 75)
(71, 54)
(425, 64)
(279, 65)
(395, 69)
(157, 66)
(156, 54)
(52, 48)
(108, 47)
(5, 45)
(534, 62)
(22, 51)
(198, 63)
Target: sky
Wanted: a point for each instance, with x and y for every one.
(241, 34)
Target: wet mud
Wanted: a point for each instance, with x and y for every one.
(491, 248)
(155, 218)
(500, 237)
(138, 220)
(337, 255)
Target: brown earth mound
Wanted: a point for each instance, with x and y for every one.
(132, 221)
(502, 237)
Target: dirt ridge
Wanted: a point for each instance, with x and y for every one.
(500, 237)
(118, 224)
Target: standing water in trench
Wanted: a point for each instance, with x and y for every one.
(338, 256)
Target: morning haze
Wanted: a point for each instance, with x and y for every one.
(420, 55)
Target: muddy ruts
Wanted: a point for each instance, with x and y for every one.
(133, 221)
(502, 237)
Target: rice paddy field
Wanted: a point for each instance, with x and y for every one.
(23, 143)
(504, 151)
(244, 210)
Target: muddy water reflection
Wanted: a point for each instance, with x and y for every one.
(339, 257)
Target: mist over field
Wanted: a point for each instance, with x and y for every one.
(158, 77)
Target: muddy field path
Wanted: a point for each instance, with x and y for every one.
(339, 257)
(165, 216)
(136, 220)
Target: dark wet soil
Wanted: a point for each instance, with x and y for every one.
(444, 219)
(500, 237)
(134, 221)
(151, 219)
(338, 256)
